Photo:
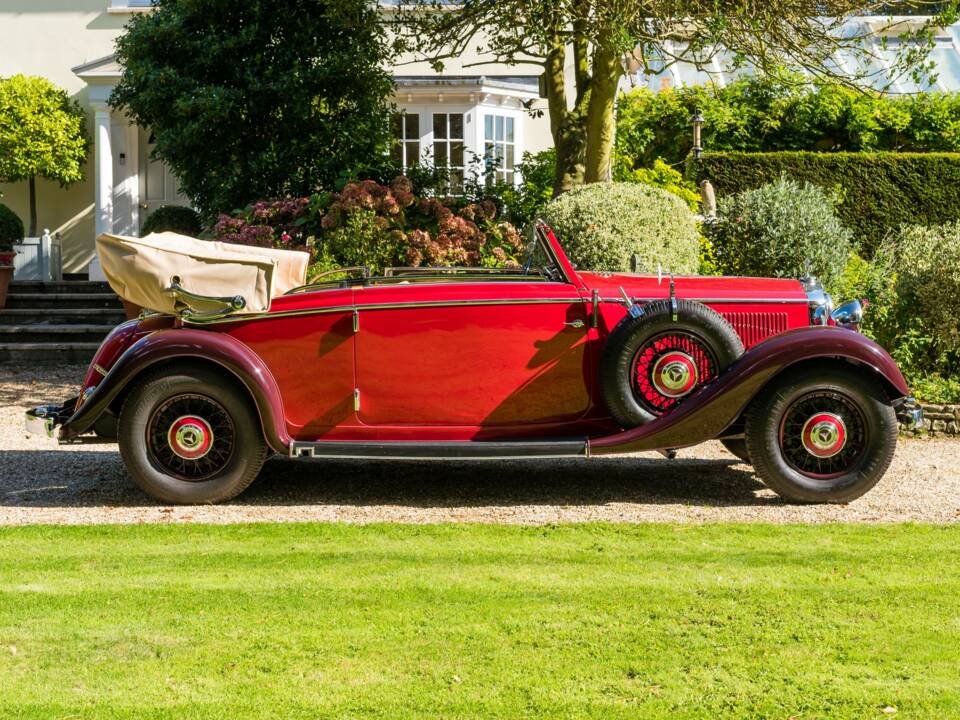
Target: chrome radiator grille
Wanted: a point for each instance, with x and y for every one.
(755, 327)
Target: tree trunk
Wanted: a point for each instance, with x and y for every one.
(600, 127)
(566, 125)
(33, 207)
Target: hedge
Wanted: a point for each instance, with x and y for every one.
(878, 191)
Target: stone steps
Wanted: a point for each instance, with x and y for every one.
(57, 322)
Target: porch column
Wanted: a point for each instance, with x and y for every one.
(103, 173)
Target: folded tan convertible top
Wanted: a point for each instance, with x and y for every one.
(142, 271)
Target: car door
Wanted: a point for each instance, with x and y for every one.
(474, 354)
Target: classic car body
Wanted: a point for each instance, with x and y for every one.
(478, 363)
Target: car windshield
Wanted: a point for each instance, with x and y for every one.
(539, 260)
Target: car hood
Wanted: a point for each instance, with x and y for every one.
(703, 288)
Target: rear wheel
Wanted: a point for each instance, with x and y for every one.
(190, 436)
(822, 436)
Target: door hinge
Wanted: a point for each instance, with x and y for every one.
(356, 399)
(356, 321)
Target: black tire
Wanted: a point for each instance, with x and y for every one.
(779, 452)
(739, 449)
(235, 448)
(714, 342)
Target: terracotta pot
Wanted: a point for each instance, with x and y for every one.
(6, 272)
(132, 311)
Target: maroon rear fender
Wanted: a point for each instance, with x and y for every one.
(187, 343)
(714, 408)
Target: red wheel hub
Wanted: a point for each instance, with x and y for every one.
(190, 437)
(824, 435)
(675, 374)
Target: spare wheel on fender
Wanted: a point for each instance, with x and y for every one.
(652, 362)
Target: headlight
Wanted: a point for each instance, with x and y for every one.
(849, 315)
(818, 300)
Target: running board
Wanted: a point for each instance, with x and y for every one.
(471, 450)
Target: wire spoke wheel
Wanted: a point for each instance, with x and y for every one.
(823, 435)
(190, 437)
(670, 366)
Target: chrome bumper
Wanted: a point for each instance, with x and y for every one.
(910, 414)
(43, 420)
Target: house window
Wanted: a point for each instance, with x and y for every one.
(448, 147)
(499, 148)
(406, 136)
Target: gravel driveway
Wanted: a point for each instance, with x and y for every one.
(41, 482)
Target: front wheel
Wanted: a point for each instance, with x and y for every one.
(190, 436)
(821, 436)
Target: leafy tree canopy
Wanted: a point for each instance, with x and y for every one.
(42, 134)
(585, 46)
(261, 98)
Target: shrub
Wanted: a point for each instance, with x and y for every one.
(11, 229)
(878, 191)
(42, 134)
(771, 231)
(601, 227)
(258, 99)
(765, 114)
(928, 283)
(662, 176)
(173, 218)
(368, 223)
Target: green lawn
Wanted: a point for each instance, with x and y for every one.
(304, 621)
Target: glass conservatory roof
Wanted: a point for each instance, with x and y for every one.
(877, 64)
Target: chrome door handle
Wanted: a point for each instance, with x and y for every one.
(575, 324)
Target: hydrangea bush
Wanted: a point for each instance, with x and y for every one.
(378, 225)
(602, 226)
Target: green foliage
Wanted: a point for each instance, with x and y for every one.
(603, 225)
(524, 202)
(878, 191)
(174, 218)
(912, 286)
(662, 176)
(11, 229)
(765, 114)
(42, 132)
(772, 230)
(264, 98)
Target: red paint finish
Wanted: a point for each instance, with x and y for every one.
(449, 358)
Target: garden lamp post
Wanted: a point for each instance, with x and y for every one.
(697, 121)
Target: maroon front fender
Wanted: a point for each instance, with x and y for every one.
(714, 408)
(187, 343)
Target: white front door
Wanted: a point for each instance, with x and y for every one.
(158, 186)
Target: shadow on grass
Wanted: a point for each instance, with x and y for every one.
(51, 478)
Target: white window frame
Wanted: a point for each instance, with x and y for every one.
(405, 162)
(473, 120)
(498, 172)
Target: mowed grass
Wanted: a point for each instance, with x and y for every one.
(604, 621)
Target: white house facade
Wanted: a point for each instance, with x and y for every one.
(472, 118)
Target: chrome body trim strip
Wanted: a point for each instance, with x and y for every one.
(713, 301)
(386, 306)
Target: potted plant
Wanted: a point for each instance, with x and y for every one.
(11, 231)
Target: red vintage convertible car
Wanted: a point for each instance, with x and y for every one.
(463, 363)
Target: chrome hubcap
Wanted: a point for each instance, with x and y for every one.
(824, 435)
(190, 437)
(675, 374)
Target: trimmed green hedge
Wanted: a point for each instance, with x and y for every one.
(879, 191)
